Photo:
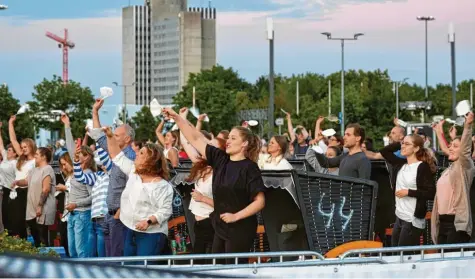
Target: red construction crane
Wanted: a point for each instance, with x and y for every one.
(65, 44)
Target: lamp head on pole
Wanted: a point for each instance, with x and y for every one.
(358, 35)
(115, 83)
(425, 18)
(3, 7)
(270, 28)
(328, 34)
(451, 33)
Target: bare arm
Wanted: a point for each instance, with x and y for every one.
(373, 155)
(189, 149)
(443, 144)
(84, 140)
(95, 113)
(252, 209)
(45, 190)
(290, 128)
(112, 145)
(12, 134)
(159, 134)
(173, 157)
(466, 143)
(199, 123)
(318, 128)
(195, 138)
(69, 136)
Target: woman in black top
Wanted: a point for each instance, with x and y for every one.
(238, 188)
(415, 184)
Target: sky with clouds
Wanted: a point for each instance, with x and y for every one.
(393, 39)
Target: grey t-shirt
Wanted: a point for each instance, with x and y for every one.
(35, 188)
(356, 165)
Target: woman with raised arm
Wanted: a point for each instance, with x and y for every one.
(66, 168)
(451, 215)
(202, 204)
(80, 194)
(7, 176)
(170, 143)
(41, 204)
(415, 185)
(238, 188)
(146, 203)
(25, 163)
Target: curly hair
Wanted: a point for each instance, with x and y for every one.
(155, 163)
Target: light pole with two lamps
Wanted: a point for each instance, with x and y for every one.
(270, 37)
(124, 86)
(354, 38)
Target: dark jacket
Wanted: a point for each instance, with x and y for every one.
(425, 179)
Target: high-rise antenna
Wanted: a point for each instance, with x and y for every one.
(209, 4)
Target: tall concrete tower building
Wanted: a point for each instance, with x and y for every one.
(162, 43)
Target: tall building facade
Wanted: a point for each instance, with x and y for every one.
(162, 43)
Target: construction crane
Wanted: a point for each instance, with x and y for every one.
(66, 45)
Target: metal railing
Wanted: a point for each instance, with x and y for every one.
(416, 250)
(188, 261)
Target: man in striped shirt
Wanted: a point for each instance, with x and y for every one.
(99, 234)
(124, 135)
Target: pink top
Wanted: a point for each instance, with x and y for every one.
(445, 195)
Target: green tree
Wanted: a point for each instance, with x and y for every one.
(216, 91)
(24, 127)
(144, 124)
(72, 98)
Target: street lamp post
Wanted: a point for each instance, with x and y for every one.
(452, 62)
(426, 19)
(270, 37)
(398, 84)
(124, 86)
(354, 38)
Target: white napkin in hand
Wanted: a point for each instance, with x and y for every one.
(317, 149)
(13, 194)
(155, 108)
(106, 92)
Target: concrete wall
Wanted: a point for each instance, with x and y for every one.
(128, 51)
(191, 46)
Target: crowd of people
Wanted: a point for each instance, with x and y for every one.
(116, 199)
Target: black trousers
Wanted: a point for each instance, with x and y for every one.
(38, 232)
(238, 243)
(204, 235)
(17, 213)
(405, 234)
(447, 232)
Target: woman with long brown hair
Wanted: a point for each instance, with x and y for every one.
(451, 220)
(202, 204)
(170, 143)
(415, 185)
(25, 164)
(146, 203)
(238, 188)
(80, 194)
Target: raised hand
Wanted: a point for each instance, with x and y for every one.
(12, 119)
(108, 131)
(168, 112)
(65, 120)
(184, 112)
(98, 105)
(469, 119)
(202, 117)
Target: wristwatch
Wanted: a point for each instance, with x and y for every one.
(149, 221)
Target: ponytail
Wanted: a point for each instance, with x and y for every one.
(426, 155)
(254, 143)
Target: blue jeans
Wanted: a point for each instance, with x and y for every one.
(96, 238)
(116, 236)
(143, 244)
(79, 225)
